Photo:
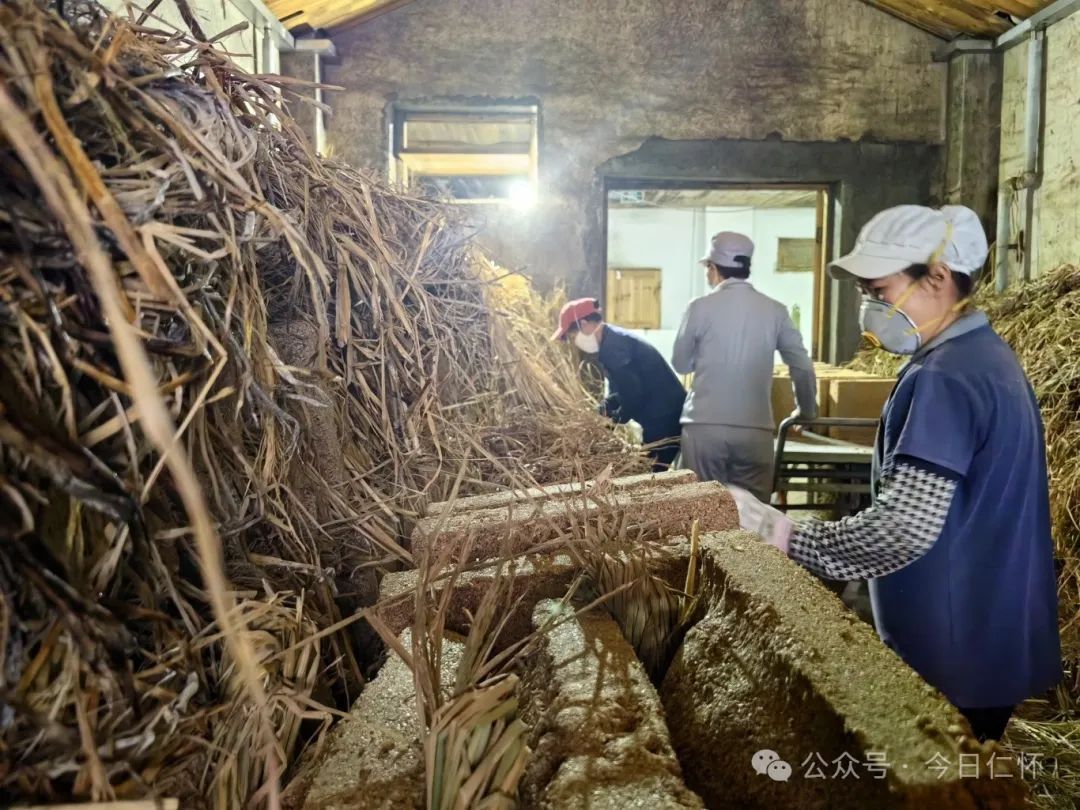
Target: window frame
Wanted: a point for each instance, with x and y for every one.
(409, 164)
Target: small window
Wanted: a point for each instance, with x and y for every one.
(467, 154)
(795, 255)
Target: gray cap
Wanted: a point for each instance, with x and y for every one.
(727, 247)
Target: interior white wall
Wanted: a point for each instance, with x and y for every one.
(665, 238)
(674, 239)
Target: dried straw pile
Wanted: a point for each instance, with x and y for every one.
(1041, 322)
(231, 375)
(878, 362)
(543, 434)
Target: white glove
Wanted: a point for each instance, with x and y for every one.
(754, 516)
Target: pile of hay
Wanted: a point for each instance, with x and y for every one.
(545, 435)
(1041, 322)
(231, 376)
(878, 362)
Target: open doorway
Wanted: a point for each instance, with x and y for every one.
(656, 236)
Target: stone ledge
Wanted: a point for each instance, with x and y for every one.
(532, 579)
(500, 500)
(374, 759)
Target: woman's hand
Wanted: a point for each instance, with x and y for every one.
(754, 516)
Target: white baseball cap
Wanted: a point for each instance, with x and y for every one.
(905, 235)
(727, 247)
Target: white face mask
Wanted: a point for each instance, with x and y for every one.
(587, 343)
(889, 327)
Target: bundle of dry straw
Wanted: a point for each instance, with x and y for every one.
(231, 374)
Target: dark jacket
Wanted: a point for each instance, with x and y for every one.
(643, 386)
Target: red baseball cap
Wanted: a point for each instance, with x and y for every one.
(572, 312)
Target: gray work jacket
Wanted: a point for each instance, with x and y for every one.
(727, 339)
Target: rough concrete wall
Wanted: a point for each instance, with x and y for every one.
(1054, 228)
(304, 65)
(608, 74)
(973, 133)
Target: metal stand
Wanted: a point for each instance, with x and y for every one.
(839, 469)
(819, 465)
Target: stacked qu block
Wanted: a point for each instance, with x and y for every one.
(649, 508)
(777, 695)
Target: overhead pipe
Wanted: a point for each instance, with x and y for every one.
(1039, 21)
(1033, 108)
(1033, 112)
(1032, 29)
(1001, 243)
(255, 10)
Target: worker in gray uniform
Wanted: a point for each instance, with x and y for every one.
(727, 340)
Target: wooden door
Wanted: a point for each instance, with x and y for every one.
(633, 297)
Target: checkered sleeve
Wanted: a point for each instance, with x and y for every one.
(902, 525)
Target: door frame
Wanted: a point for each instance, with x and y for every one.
(824, 235)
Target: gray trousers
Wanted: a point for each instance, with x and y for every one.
(731, 455)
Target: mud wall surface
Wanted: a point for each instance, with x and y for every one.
(611, 75)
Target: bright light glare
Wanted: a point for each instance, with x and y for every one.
(521, 195)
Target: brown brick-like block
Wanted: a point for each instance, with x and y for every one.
(864, 399)
(778, 663)
(532, 579)
(374, 759)
(500, 500)
(650, 514)
(597, 728)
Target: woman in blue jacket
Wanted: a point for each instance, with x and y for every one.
(957, 544)
(643, 387)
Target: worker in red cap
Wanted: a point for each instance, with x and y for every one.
(642, 386)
